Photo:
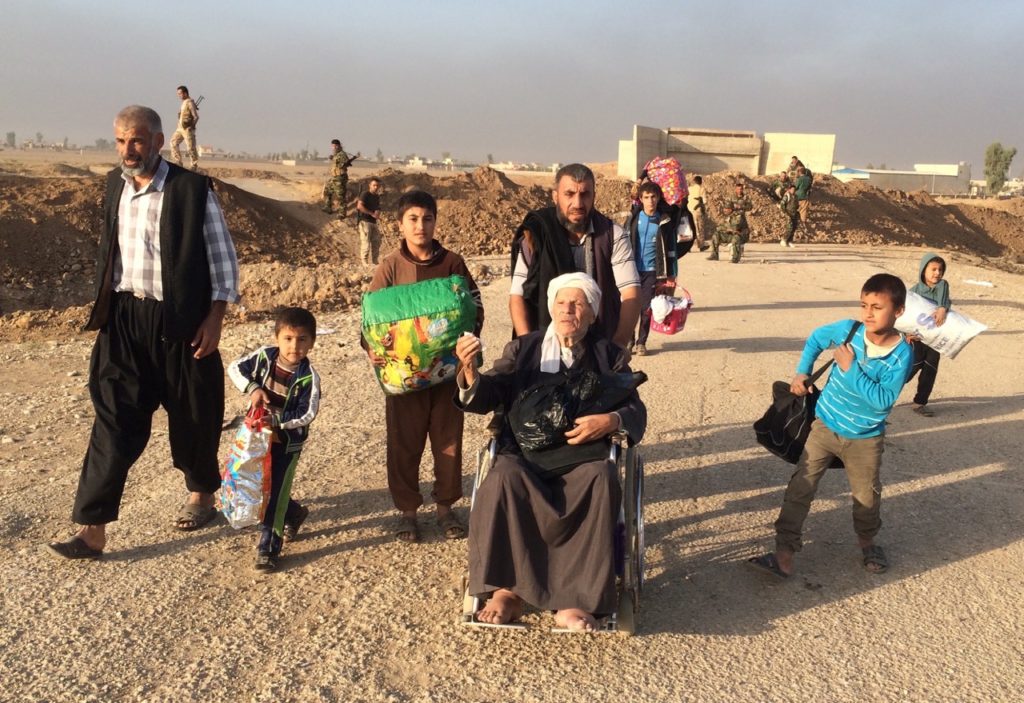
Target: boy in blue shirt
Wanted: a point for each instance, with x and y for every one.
(654, 235)
(280, 378)
(849, 422)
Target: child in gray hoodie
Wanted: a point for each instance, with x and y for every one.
(930, 284)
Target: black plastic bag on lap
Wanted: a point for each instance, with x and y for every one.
(542, 414)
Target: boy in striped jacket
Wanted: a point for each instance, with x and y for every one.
(281, 379)
(849, 422)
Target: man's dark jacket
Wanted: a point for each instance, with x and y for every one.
(185, 269)
(552, 256)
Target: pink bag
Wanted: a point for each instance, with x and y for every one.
(668, 174)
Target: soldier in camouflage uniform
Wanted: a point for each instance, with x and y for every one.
(188, 118)
(337, 184)
(735, 232)
(779, 186)
(790, 208)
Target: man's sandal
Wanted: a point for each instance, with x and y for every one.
(74, 548)
(193, 516)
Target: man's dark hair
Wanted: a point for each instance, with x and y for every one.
(888, 284)
(801, 170)
(374, 179)
(698, 180)
(296, 318)
(416, 198)
(336, 141)
(577, 172)
(183, 89)
(650, 187)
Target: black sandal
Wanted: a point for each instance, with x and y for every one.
(875, 561)
(74, 548)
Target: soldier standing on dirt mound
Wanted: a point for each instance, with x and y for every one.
(337, 184)
(188, 118)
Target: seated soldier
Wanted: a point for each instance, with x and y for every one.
(536, 535)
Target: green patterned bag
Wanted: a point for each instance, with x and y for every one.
(415, 327)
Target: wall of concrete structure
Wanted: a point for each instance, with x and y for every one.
(710, 150)
(647, 142)
(817, 151)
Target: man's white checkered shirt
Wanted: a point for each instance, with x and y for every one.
(137, 269)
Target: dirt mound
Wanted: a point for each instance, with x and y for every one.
(266, 230)
(222, 173)
(291, 253)
(48, 235)
(479, 212)
(856, 213)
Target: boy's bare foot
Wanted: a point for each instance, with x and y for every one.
(407, 529)
(576, 619)
(503, 607)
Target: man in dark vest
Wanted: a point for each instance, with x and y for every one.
(567, 237)
(166, 270)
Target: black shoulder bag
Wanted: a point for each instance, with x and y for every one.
(784, 427)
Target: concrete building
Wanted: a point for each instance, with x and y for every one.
(710, 150)
(937, 179)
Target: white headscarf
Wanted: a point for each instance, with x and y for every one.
(551, 350)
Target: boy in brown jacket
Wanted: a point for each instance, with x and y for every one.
(412, 417)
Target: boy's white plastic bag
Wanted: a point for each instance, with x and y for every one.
(685, 232)
(950, 338)
(245, 476)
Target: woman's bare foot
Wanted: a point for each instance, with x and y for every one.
(503, 607)
(575, 619)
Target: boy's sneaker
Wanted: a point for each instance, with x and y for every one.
(265, 561)
(712, 257)
(782, 243)
(790, 245)
(291, 529)
(640, 350)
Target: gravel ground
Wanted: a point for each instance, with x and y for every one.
(357, 616)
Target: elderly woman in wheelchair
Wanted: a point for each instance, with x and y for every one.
(543, 523)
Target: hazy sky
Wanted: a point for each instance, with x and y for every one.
(898, 82)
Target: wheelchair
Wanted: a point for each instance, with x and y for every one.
(628, 543)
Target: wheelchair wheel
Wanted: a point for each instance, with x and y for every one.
(633, 499)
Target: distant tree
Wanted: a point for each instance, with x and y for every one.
(380, 156)
(882, 166)
(102, 144)
(490, 159)
(869, 166)
(39, 138)
(316, 154)
(11, 139)
(445, 155)
(997, 163)
(64, 143)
